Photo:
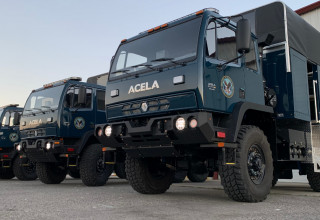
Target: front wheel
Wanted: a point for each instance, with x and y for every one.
(198, 172)
(313, 178)
(148, 175)
(24, 170)
(93, 170)
(250, 179)
(50, 173)
(6, 173)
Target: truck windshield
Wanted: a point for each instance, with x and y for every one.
(40, 101)
(174, 45)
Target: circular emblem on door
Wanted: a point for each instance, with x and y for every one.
(79, 122)
(144, 106)
(13, 137)
(227, 86)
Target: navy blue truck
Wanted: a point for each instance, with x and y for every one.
(12, 163)
(205, 91)
(57, 127)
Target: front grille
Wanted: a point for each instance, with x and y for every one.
(36, 133)
(153, 105)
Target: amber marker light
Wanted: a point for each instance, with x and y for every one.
(199, 12)
(104, 149)
(150, 30)
(220, 144)
(164, 25)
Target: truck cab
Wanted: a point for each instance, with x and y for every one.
(11, 164)
(212, 92)
(57, 127)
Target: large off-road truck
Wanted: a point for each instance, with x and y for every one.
(57, 127)
(12, 163)
(205, 91)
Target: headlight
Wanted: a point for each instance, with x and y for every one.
(18, 147)
(180, 124)
(48, 145)
(108, 131)
(99, 132)
(193, 123)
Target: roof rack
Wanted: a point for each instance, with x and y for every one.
(10, 105)
(62, 81)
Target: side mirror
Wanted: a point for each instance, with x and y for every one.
(243, 36)
(82, 96)
(16, 118)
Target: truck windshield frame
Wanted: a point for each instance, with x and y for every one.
(172, 46)
(44, 100)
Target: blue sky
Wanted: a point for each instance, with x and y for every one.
(43, 41)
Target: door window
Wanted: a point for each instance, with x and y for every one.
(101, 100)
(71, 99)
(226, 43)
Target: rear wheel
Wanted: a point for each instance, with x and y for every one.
(24, 169)
(179, 176)
(93, 170)
(50, 173)
(313, 178)
(251, 178)
(148, 175)
(74, 173)
(6, 173)
(120, 170)
(198, 172)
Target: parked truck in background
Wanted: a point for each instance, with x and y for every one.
(204, 89)
(57, 127)
(12, 163)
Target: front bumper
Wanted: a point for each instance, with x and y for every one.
(37, 151)
(160, 134)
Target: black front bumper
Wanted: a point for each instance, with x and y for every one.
(160, 134)
(36, 150)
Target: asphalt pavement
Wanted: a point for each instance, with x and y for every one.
(117, 200)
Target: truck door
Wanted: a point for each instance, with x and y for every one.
(80, 118)
(222, 83)
(9, 132)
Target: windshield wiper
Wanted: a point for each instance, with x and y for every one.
(120, 71)
(29, 110)
(170, 60)
(145, 65)
(40, 110)
(48, 107)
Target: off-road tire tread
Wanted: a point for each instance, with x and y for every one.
(313, 178)
(88, 165)
(6, 173)
(46, 174)
(136, 174)
(120, 170)
(231, 179)
(19, 172)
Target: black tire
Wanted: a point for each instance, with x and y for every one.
(26, 171)
(74, 173)
(50, 173)
(120, 170)
(250, 179)
(179, 176)
(93, 171)
(313, 178)
(198, 172)
(148, 175)
(6, 173)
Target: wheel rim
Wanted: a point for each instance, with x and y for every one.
(256, 164)
(100, 166)
(30, 168)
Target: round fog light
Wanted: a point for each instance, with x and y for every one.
(18, 147)
(48, 146)
(180, 124)
(108, 131)
(193, 123)
(99, 132)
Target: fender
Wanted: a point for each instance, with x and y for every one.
(233, 122)
(84, 140)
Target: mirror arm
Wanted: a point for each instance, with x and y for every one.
(221, 65)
